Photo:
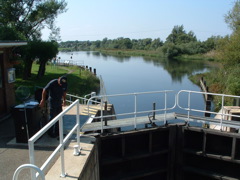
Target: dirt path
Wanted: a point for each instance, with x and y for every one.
(67, 69)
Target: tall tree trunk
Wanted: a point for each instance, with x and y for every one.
(41, 70)
(27, 69)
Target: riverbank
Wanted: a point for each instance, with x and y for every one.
(148, 53)
(80, 80)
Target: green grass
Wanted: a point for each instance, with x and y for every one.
(80, 82)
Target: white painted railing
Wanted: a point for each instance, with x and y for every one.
(62, 141)
(136, 112)
(82, 100)
(25, 166)
(188, 108)
(71, 98)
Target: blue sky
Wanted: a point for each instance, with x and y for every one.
(139, 19)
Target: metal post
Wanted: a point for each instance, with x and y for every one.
(135, 111)
(78, 129)
(63, 174)
(101, 115)
(222, 113)
(165, 112)
(105, 112)
(31, 158)
(189, 100)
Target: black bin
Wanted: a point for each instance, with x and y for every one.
(33, 117)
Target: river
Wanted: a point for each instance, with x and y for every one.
(138, 74)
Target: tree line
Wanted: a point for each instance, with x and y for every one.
(25, 20)
(177, 43)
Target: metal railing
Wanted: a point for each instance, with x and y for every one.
(62, 141)
(222, 113)
(136, 112)
(25, 166)
(71, 98)
(82, 100)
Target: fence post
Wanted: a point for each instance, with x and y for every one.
(31, 158)
(135, 111)
(154, 108)
(63, 174)
(77, 147)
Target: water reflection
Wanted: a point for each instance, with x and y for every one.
(119, 58)
(176, 68)
(179, 69)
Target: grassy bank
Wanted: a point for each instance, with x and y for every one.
(80, 82)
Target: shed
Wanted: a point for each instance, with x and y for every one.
(7, 76)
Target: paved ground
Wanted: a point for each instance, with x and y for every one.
(12, 155)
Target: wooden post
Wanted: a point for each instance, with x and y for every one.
(208, 108)
(105, 112)
(154, 108)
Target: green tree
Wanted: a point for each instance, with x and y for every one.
(179, 36)
(211, 43)
(46, 52)
(43, 51)
(232, 18)
(29, 17)
(25, 19)
(156, 43)
(229, 49)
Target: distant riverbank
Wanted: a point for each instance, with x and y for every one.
(147, 53)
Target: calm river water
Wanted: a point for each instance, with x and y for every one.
(137, 74)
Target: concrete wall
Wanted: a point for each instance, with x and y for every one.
(91, 168)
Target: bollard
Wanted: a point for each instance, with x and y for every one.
(76, 150)
(90, 68)
(105, 112)
(94, 71)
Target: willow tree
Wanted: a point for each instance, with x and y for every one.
(27, 18)
(41, 50)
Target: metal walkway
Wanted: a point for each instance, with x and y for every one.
(127, 122)
(163, 118)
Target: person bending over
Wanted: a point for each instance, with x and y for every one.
(56, 90)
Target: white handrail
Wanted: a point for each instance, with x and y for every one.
(62, 140)
(189, 109)
(24, 166)
(70, 97)
(136, 112)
